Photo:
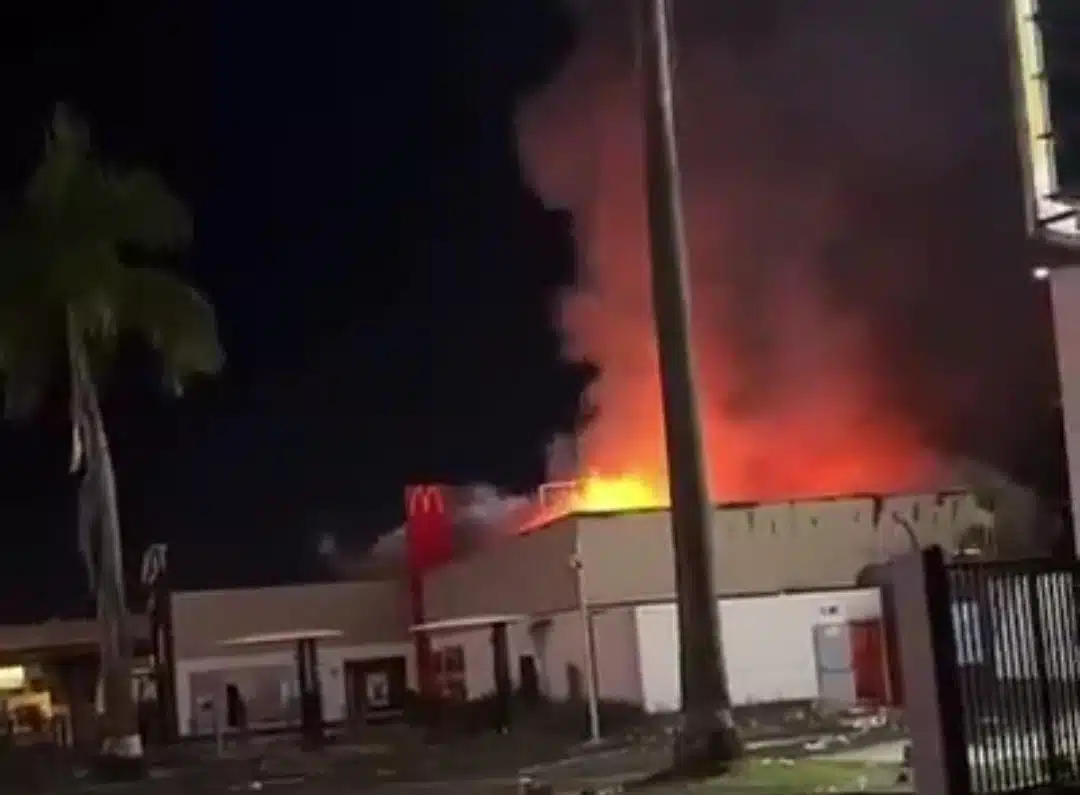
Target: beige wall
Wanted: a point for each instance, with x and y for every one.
(272, 669)
(763, 548)
(365, 612)
(771, 666)
(557, 643)
(527, 575)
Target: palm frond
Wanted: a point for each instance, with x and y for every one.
(67, 146)
(68, 129)
(62, 269)
(27, 366)
(144, 212)
(91, 201)
(176, 319)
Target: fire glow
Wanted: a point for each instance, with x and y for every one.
(597, 493)
(796, 393)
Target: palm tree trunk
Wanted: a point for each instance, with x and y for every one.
(121, 743)
(708, 740)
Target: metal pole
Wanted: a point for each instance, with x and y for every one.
(708, 734)
(219, 720)
(591, 674)
(913, 543)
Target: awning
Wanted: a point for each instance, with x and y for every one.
(291, 636)
(470, 622)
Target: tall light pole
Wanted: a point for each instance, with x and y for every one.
(708, 736)
(592, 673)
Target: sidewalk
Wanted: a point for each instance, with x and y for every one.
(601, 768)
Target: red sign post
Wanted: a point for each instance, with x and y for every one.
(429, 543)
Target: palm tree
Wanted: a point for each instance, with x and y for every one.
(68, 292)
(708, 740)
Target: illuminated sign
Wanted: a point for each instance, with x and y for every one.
(424, 500)
(1046, 40)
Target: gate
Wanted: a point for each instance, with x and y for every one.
(1007, 639)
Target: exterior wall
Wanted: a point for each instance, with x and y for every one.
(214, 673)
(476, 647)
(768, 647)
(768, 644)
(1065, 295)
(372, 617)
(618, 661)
(526, 575)
(772, 547)
(561, 655)
(558, 645)
(364, 612)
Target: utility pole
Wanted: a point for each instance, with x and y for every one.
(708, 739)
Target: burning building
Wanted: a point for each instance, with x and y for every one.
(820, 188)
(539, 571)
(571, 553)
(520, 562)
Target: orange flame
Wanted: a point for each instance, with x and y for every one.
(606, 494)
(795, 391)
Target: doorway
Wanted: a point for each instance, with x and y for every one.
(375, 689)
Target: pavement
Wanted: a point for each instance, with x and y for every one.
(398, 761)
(889, 752)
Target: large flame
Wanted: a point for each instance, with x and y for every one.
(797, 395)
(627, 492)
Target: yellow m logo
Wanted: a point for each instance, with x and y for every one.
(424, 500)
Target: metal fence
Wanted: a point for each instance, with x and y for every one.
(1017, 664)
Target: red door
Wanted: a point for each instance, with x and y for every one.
(868, 661)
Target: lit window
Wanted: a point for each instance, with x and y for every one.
(12, 677)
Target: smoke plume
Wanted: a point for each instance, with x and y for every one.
(858, 293)
(478, 513)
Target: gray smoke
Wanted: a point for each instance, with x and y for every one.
(854, 221)
(479, 513)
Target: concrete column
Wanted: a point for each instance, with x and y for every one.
(311, 708)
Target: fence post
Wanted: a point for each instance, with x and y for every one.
(1046, 704)
(933, 705)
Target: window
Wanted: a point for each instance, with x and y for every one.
(449, 665)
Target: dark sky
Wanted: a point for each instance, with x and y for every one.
(385, 279)
(382, 275)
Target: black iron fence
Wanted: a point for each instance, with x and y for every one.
(1017, 664)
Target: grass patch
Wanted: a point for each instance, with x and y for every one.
(803, 776)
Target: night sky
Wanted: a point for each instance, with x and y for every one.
(384, 277)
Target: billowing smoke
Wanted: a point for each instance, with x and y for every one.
(859, 298)
(478, 513)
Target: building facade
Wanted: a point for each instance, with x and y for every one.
(758, 549)
(791, 567)
(777, 648)
(241, 638)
